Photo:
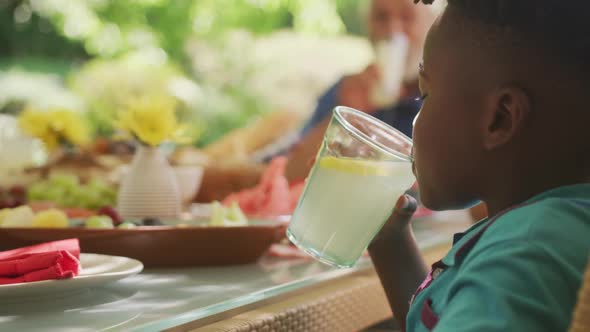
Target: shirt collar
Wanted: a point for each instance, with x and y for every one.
(574, 191)
(464, 242)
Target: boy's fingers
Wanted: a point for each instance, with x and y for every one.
(398, 220)
(404, 208)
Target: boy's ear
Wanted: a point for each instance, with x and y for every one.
(507, 112)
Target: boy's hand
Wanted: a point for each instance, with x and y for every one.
(398, 222)
(397, 259)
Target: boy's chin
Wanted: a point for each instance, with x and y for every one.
(437, 204)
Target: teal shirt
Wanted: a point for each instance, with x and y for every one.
(518, 271)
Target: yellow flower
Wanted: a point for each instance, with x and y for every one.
(34, 123)
(71, 127)
(152, 120)
(50, 140)
(54, 127)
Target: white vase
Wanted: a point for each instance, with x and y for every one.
(150, 188)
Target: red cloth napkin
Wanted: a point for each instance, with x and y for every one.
(45, 261)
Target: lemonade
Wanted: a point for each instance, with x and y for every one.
(345, 203)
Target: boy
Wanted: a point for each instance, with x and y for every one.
(503, 121)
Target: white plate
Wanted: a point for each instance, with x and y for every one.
(96, 270)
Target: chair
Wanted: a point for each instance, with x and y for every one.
(581, 316)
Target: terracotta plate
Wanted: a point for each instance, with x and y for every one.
(162, 246)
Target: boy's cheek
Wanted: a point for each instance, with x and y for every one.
(416, 119)
(420, 136)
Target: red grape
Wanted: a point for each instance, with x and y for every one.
(18, 192)
(111, 212)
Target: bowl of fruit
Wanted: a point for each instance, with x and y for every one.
(226, 237)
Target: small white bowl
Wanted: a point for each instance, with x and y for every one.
(189, 181)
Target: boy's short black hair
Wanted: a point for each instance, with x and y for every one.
(560, 27)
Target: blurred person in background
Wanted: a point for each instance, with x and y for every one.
(387, 22)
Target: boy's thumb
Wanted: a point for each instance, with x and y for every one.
(405, 207)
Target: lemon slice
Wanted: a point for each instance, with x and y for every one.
(359, 167)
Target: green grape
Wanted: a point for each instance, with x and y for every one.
(111, 198)
(108, 197)
(54, 194)
(65, 181)
(89, 198)
(236, 215)
(36, 192)
(102, 203)
(99, 222)
(93, 183)
(66, 190)
(224, 216)
(85, 198)
(217, 214)
(69, 200)
(127, 224)
(97, 185)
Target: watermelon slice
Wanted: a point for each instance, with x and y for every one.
(270, 198)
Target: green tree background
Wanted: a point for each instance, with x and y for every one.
(43, 28)
(63, 36)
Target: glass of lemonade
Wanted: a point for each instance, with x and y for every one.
(361, 169)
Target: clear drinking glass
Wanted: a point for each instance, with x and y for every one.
(361, 169)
